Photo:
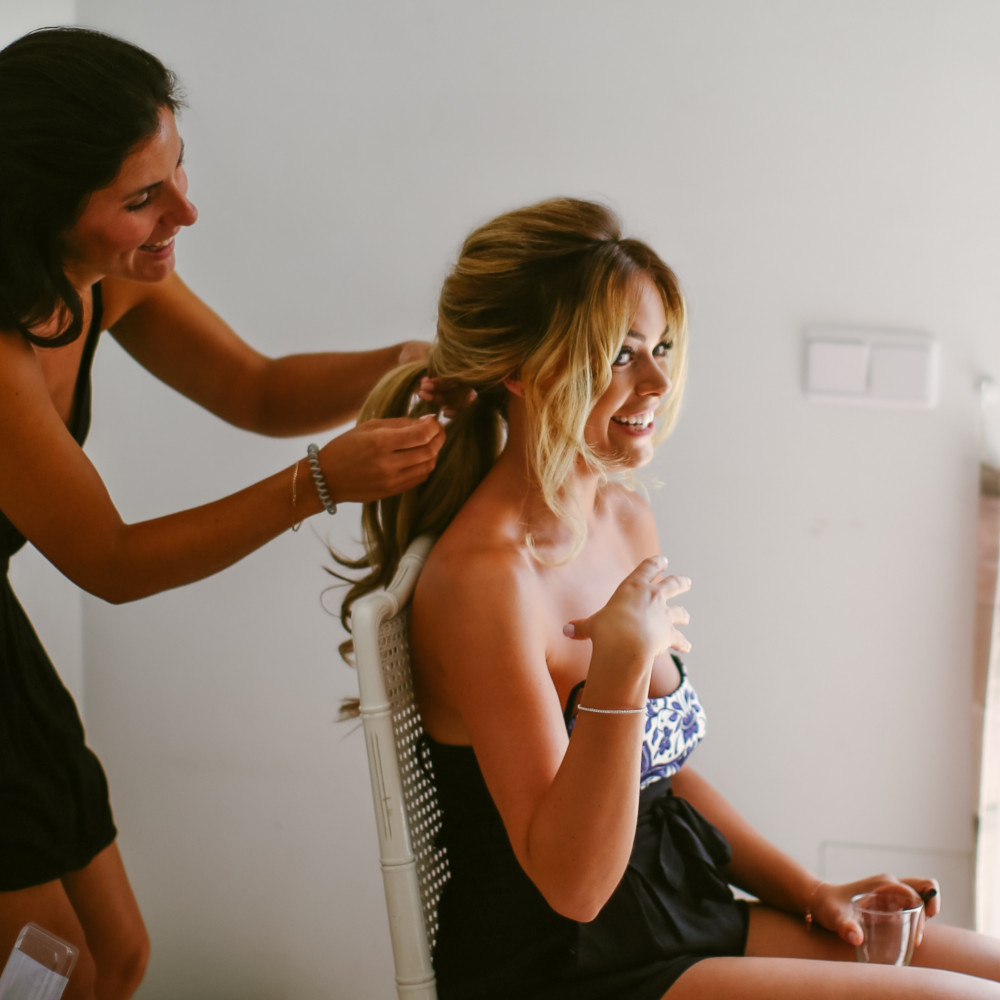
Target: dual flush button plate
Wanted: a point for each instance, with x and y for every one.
(871, 366)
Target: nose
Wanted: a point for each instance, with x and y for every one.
(180, 209)
(184, 213)
(654, 381)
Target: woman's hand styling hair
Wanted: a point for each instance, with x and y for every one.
(446, 394)
(382, 458)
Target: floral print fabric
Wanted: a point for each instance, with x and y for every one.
(675, 725)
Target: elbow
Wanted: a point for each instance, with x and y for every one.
(114, 588)
(580, 906)
(114, 569)
(579, 898)
(112, 593)
(577, 880)
(115, 596)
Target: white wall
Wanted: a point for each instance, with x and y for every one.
(798, 163)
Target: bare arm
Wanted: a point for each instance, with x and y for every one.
(758, 866)
(569, 806)
(178, 338)
(51, 492)
(777, 879)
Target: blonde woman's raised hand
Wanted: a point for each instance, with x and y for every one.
(640, 619)
(381, 458)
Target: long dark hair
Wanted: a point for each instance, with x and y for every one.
(73, 104)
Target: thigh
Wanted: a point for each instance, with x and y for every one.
(797, 978)
(774, 934)
(103, 901)
(48, 906)
(945, 947)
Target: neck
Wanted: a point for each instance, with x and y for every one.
(522, 483)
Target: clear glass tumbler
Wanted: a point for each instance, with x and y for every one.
(889, 921)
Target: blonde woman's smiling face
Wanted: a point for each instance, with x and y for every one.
(621, 425)
(127, 229)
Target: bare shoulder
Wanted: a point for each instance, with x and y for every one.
(625, 501)
(13, 345)
(477, 600)
(476, 576)
(477, 636)
(20, 376)
(123, 299)
(630, 512)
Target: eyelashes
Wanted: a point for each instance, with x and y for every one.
(627, 354)
(150, 192)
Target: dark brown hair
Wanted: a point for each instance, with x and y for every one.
(73, 104)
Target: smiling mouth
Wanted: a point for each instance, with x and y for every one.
(638, 421)
(157, 246)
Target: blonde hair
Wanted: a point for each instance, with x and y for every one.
(544, 295)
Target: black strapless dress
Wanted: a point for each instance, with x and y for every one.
(55, 815)
(499, 939)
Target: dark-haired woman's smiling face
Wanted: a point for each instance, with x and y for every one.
(127, 229)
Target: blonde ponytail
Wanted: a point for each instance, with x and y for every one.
(473, 439)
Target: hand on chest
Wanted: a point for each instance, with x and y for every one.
(578, 590)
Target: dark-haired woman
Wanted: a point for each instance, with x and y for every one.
(93, 194)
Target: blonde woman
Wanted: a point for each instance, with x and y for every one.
(586, 861)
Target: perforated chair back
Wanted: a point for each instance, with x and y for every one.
(414, 869)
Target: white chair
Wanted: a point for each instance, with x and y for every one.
(414, 869)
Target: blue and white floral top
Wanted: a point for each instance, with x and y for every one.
(675, 725)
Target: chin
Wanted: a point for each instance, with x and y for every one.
(626, 460)
(151, 272)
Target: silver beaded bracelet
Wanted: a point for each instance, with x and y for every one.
(312, 453)
(611, 711)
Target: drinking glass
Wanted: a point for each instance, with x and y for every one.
(888, 920)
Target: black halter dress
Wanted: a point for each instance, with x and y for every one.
(55, 815)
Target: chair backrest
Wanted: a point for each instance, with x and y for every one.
(414, 868)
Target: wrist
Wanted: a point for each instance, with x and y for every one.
(319, 480)
(811, 900)
(617, 681)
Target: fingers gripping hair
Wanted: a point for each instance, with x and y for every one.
(473, 439)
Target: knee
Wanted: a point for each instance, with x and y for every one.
(132, 966)
(120, 974)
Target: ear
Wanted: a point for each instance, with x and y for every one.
(513, 385)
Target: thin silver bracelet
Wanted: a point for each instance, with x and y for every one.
(312, 453)
(612, 711)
